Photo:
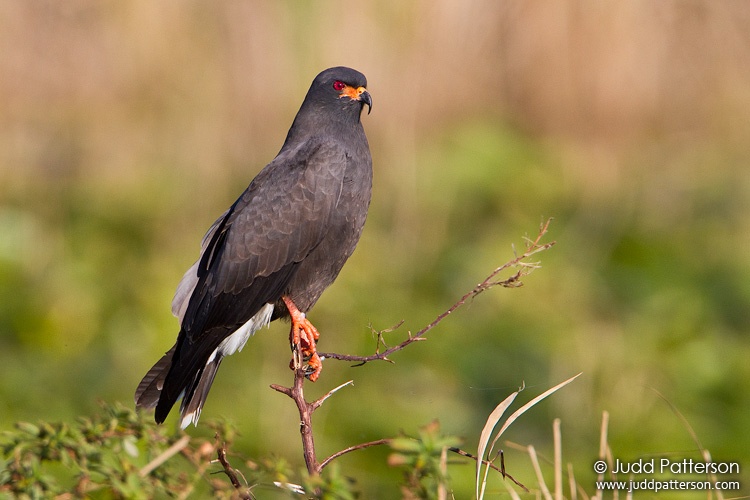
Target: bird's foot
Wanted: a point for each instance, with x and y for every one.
(303, 338)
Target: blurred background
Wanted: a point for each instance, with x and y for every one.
(126, 128)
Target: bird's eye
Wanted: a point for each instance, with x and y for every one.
(338, 85)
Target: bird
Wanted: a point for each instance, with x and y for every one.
(275, 250)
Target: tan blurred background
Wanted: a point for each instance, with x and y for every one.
(127, 127)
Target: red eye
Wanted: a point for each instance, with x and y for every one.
(339, 85)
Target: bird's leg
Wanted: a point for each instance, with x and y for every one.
(304, 335)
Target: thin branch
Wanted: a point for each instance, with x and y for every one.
(380, 334)
(532, 247)
(356, 447)
(315, 404)
(296, 393)
(231, 473)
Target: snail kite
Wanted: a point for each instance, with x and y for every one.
(276, 249)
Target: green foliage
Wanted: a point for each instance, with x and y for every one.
(331, 485)
(119, 454)
(424, 460)
(100, 456)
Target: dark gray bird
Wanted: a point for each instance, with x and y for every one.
(276, 249)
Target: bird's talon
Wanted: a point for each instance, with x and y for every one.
(314, 367)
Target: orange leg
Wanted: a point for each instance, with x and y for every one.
(304, 335)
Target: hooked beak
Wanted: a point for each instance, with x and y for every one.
(365, 98)
(358, 94)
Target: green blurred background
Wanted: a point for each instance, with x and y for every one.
(127, 128)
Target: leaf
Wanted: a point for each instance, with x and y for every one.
(28, 428)
(406, 445)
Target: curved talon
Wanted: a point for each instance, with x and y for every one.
(311, 362)
(314, 367)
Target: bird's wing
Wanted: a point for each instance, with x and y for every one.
(249, 255)
(190, 278)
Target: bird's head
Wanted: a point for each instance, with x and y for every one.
(341, 87)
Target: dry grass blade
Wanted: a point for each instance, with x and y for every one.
(166, 455)
(538, 471)
(572, 482)
(528, 405)
(557, 433)
(494, 418)
(704, 452)
(442, 491)
(603, 448)
(484, 437)
(511, 491)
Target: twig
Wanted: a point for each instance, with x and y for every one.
(315, 404)
(356, 447)
(381, 337)
(227, 469)
(532, 247)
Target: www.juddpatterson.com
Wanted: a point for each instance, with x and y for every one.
(667, 466)
(673, 484)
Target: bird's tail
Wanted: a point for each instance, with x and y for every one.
(196, 393)
(192, 375)
(149, 392)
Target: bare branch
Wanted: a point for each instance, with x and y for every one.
(231, 473)
(315, 404)
(296, 393)
(356, 447)
(532, 247)
(381, 334)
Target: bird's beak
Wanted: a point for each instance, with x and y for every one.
(365, 98)
(359, 94)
